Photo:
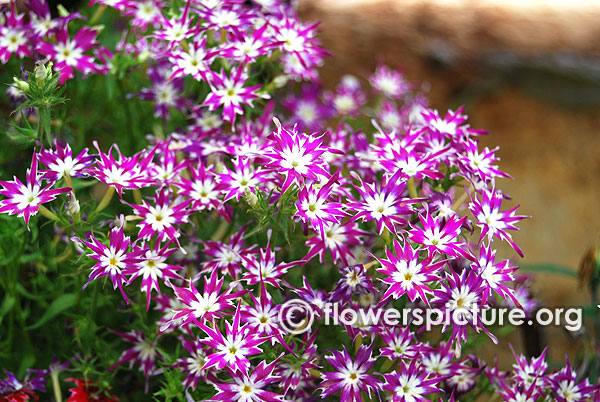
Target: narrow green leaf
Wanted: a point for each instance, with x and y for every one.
(23, 292)
(59, 305)
(27, 361)
(7, 305)
(110, 86)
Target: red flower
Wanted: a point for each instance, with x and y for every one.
(19, 396)
(87, 392)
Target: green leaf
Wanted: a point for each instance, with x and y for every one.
(7, 305)
(23, 292)
(21, 135)
(27, 258)
(110, 86)
(59, 305)
(549, 269)
(27, 362)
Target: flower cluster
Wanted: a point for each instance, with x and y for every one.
(218, 225)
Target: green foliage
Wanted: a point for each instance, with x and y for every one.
(271, 213)
(43, 92)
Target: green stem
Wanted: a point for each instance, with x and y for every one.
(68, 181)
(44, 125)
(64, 256)
(459, 202)
(386, 365)
(221, 230)
(56, 386)
(97, 15)
(104, 202)
(137, 196)
(412, 188)
(371, 264)
(47, 213)
(86, 345)
(19, 312)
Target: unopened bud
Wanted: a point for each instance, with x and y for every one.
(99, 28)
(250, 198)
(62, 11)
(219, 167)
(40, 73)
(280, 81)
(144, 55)
(22, 85)
(73, 207)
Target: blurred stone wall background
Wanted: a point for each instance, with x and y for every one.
(529, 73)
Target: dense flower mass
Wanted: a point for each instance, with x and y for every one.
(362, 196)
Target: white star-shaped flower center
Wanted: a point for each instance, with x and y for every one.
(344, 103)
(351, 376)
(68, 53)
(206, 303)
(203, 191)
(146, 11)
(117, 175)
(407, 274)
(408, 388)
(411, 166)
(380, 205)
(307, 112)
(335, 236)
(165, 94)
(225, 18)
(152, 266)
(292, 42)
(146, 350)
(29, 197)
(113, 260)
(462, 298)
(294, 158)
(388, 84)
(12, 40)
(159, 217)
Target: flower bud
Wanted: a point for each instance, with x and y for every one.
(144, 55)
(280, 81)
(22, 85)
(40, 73)
(219, 166)
(250, 198)
(73, 207)
(62, 11)
(99, 28)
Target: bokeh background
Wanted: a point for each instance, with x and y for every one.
(528, 72)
